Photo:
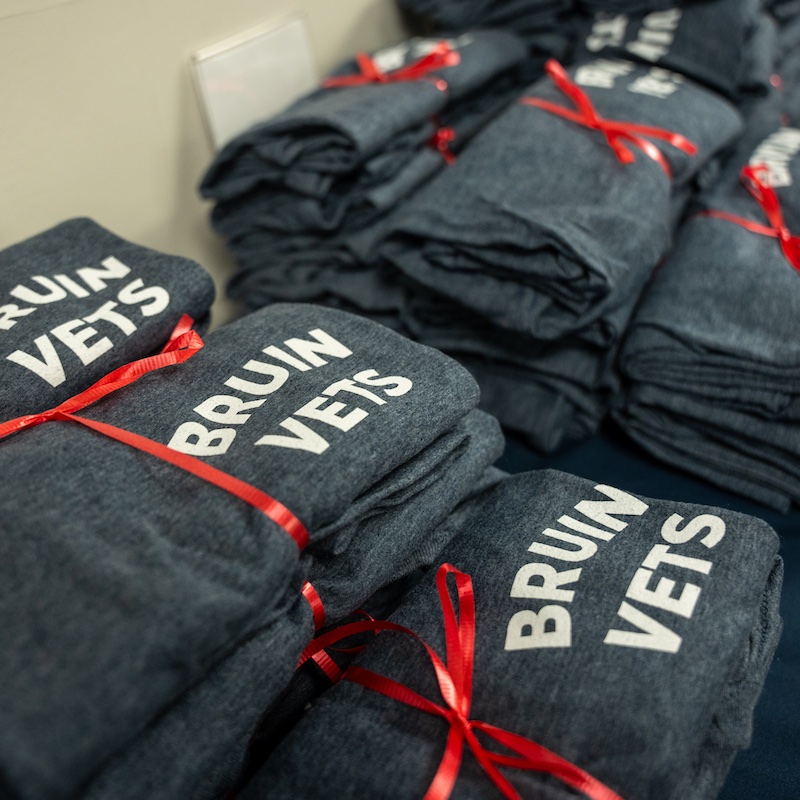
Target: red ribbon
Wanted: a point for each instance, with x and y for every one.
(179, 348)
(441, 141)
(441, 56)
(320, 657)
(767, 199)
(615, 131)
(314, 651)
(315, 601)
(455, 684)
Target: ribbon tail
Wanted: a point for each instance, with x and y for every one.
(743, 222)
(622, 152)
(559, 76)
(539, 758)
(675, 139)
(485, 758)
(369, 69)
(791, 249)
(184, 325)
(652, 151)
(445, 779)
(315, 601)
(269, 506)
(459, 634)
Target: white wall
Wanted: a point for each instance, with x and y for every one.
(99, 118)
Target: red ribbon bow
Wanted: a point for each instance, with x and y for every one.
(767, 199)
(182, 345)
(441, 56)
(615, 131)
(455, 683)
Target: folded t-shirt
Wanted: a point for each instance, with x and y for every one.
(202, 745)
(334, 130)
(77, 301)
(538, 226)
(628, 635)
(125, 579)
(711, 355)
(706, 41)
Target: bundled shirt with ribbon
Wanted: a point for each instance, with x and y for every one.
(550, 223)
(333, 131)
(598, 644)
(77, 301)
(277, 216)
(256, 691)
(127, 580)
(712, 356)
(717, 43)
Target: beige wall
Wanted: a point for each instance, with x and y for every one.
(98, 115)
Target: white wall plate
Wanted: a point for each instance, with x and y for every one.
(250, 77)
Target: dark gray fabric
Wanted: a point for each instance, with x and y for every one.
(711, 354)
(199, 747)
(548, 298)
(784, 11)
(762, 50)
(546, 392)
(459, 16)
(788, 70)
(530, 285)
(708, 41)
(69, 315)
(650, 686)
(630, 6)
(332, 131)
(542, 24)
(526, 254)
(310, 681)
(359, 197)
(125, 580)
(277, 230)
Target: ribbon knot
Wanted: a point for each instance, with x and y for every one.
(617, 133)
(455, 685)
(441, 56)
(751, 176)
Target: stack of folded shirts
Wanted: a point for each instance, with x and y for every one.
(628, 636)
(544, 235)
(286, 247)
(712, 354)
(148, 616)
(723, 44)
(77, 301)
(338, 159)
(540, 23)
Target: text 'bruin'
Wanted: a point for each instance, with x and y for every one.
(267, 377)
